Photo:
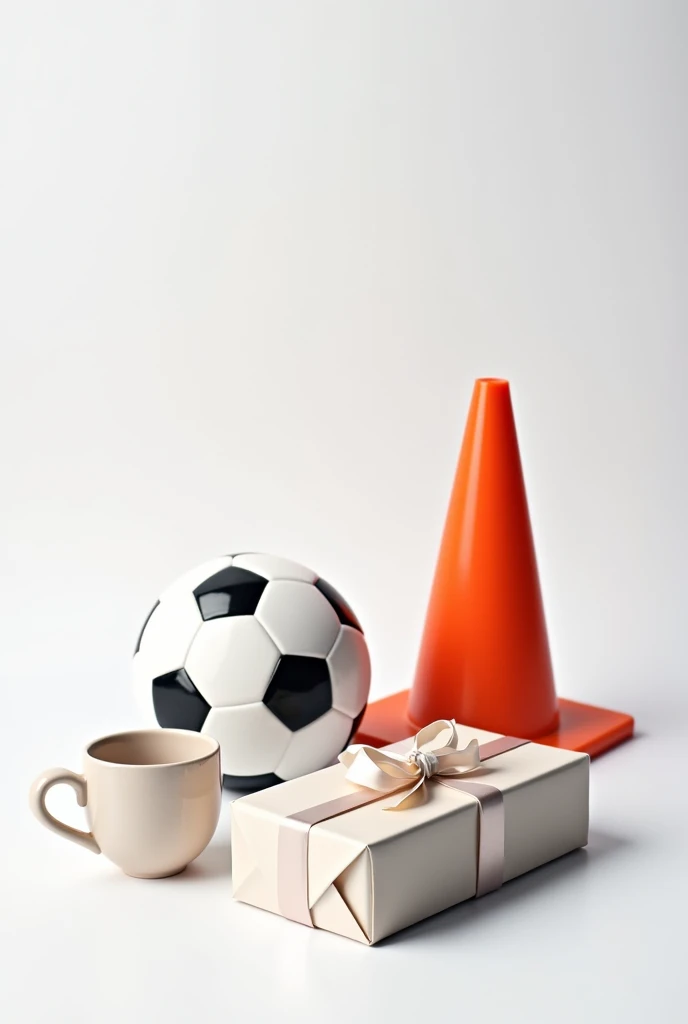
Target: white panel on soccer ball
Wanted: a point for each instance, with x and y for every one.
(143, 690)
(191, 579)
(252, 741)
(315, 746)
(231, 660)
(169, 631)
(271, 567)
(298, 618)
(349, 665)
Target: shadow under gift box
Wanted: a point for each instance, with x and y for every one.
(372, 872)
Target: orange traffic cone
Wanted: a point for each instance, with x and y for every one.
(484, 658)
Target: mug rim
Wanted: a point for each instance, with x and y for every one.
(138, 733)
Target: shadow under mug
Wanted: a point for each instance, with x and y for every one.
(152, 799)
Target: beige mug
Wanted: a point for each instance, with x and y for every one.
(152, 799)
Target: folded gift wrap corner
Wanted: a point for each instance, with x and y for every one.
(345, 906)
(321, 850)
(339, 873)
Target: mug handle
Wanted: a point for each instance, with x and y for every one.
(38, 793)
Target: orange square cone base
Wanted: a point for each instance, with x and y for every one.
(582, 727)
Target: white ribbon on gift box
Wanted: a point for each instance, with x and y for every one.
(386, 772)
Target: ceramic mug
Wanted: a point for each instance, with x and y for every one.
(152, 799)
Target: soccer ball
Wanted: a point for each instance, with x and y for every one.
(263, 655)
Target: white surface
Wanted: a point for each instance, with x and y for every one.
(142, 689)
(252, 257)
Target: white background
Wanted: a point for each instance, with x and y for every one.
(252, 257)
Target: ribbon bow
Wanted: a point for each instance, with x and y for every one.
(387, 773)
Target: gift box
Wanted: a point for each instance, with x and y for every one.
(386, 838)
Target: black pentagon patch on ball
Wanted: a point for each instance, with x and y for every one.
(344, 612)
(177, 702)
(230, 591)
(251, 782)
(300, 690)
(148, 618)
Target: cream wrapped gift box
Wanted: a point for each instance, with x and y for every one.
(339, 856)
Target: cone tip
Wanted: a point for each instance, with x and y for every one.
(492, 382)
